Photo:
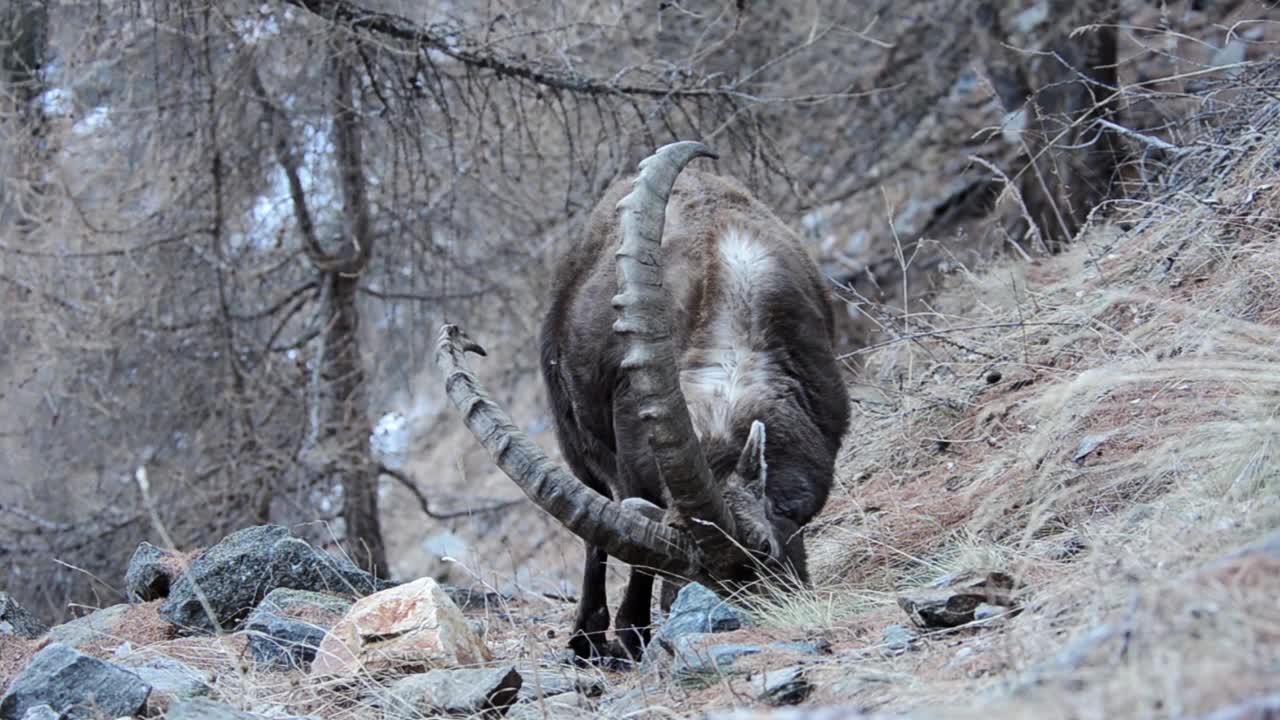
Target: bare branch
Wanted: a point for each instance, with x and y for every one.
(453, 43)
(425, 504)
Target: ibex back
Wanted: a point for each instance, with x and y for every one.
(695, 376)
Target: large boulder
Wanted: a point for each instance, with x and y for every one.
(237, 573)
(288, 626)
(14, 620)
(151, 573)
(461, 692)
(75, 686)
(102, 625)
(408, 628)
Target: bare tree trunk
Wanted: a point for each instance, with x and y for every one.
(1100, 161)
(350, 427)
(24, 27)
(1071, 158)
(336, 451)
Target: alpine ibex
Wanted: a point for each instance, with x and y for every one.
(696, 374)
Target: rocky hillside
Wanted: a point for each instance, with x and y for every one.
(1059, 500)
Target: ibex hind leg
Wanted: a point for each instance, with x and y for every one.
(588, 640)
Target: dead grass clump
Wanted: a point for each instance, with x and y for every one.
(139, 626)
(15, 653)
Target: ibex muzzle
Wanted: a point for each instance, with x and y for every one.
(697, 400)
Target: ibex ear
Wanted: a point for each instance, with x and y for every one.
(751, 465)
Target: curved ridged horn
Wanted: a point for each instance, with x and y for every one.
(649, 362)
(622, 532)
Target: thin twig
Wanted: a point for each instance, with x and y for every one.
(1154, 142)
(946, 331)
(425, 504)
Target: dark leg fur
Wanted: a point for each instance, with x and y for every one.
(588, 639)
(632, 623)
(797, 558)
(670, 588)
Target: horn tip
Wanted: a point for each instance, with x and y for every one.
(455, 335)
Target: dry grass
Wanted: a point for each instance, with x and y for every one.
(1102, 425)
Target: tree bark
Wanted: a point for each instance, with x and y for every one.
(24, 27)
(346, 366)
(350, 427)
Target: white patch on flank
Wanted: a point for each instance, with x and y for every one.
(712, 388)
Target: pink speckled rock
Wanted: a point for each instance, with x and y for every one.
(405, 629)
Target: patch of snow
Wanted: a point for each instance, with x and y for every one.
(272, 216)
(255, 29)
(1031, 18)
(445, 544)
(98, 119)
(56, 102)
(390, 439)
(1013, 125)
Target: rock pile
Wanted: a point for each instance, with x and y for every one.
(324, 625)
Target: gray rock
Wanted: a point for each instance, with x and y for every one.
(463, 692)
(696, 610)
(816, 646)
(954, 606)
(989, 612)
(633, 703)
(834, 712)
(1087, 447)
(14, 620)
(477, 598)
(237, 573)
(788, 686)
(206, 709)
(565, 706)
(898, 639)
(696, 655)
(103, 624)
(151, 573)
(75, 686)
(42, 712)
(542, 681)
(287, 626)
(171, 681)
